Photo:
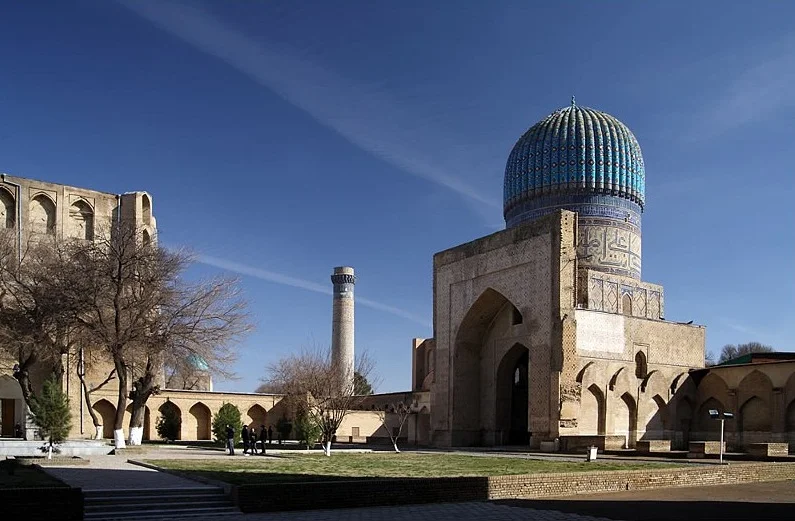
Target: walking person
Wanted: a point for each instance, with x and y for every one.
(244, 434)
(252, 439)
(270, 434)
(230, 440)
(263, 437)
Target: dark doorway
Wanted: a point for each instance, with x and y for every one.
(517, 434)
(9, 414)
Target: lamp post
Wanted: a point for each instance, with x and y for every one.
(715, 415)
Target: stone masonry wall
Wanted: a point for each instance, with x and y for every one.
(348, 493)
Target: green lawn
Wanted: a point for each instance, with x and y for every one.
(298, 467)
(25, 476)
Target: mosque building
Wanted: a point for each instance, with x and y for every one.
(544, 334)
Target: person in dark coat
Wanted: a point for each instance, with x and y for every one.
(252, 439)
(244, 435)
(263, 437)
(230, 440)
(270, 434)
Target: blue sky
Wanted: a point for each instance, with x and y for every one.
(279, 139)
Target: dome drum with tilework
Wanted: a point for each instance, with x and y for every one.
(587, 161)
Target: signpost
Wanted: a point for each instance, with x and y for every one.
(715, 415)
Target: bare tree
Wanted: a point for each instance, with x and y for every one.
(89, 359)
(311, 382)
(131, 299)
(34, 322)
(731, 351)
(399, 413)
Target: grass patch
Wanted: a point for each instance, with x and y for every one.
(296, 467)
(25, 476)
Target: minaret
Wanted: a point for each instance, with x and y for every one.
(342, 357)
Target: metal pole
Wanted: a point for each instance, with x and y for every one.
(721, 441)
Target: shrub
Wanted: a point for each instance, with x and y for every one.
(50, 412)
(306, 430)
(169, 424)
(284, 427)
(228, 414)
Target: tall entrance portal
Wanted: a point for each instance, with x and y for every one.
(513, 396)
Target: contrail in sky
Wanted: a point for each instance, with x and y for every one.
(366, 117)
(286, 280)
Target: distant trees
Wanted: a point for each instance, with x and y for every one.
(360, 384)
(312, 384)
(732, 351)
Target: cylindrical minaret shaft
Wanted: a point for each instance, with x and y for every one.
(342, 341)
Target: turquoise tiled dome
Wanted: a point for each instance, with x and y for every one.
(573, 156)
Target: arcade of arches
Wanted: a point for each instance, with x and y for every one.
(195, 409)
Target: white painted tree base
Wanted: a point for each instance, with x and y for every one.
(136, 435)
(98, 431)
(327, 448)
(118, 439)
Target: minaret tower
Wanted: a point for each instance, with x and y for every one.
(342, 357)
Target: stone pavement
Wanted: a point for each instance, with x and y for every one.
(436, 512)
(113, 472)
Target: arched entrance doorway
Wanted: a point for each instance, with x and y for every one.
(513, 396)
(12, 406)
(107, 413)
(171, 408)
(201, 416)
(473, 392)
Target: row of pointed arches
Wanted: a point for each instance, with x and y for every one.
(195, 424)
(42, 215)
(763, 413)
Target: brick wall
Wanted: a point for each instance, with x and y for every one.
(354, 493)
(45, 504)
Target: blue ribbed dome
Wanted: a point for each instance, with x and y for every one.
(197, 362)
(573, 153)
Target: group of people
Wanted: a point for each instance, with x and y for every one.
(250, 438)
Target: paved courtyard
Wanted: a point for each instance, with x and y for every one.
(435, 512)
(773, 500)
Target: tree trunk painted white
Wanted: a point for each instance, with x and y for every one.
(49, 451)
(327, 448)
(118, 439)
(394, 444)
(99, 430)
(136, 435)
